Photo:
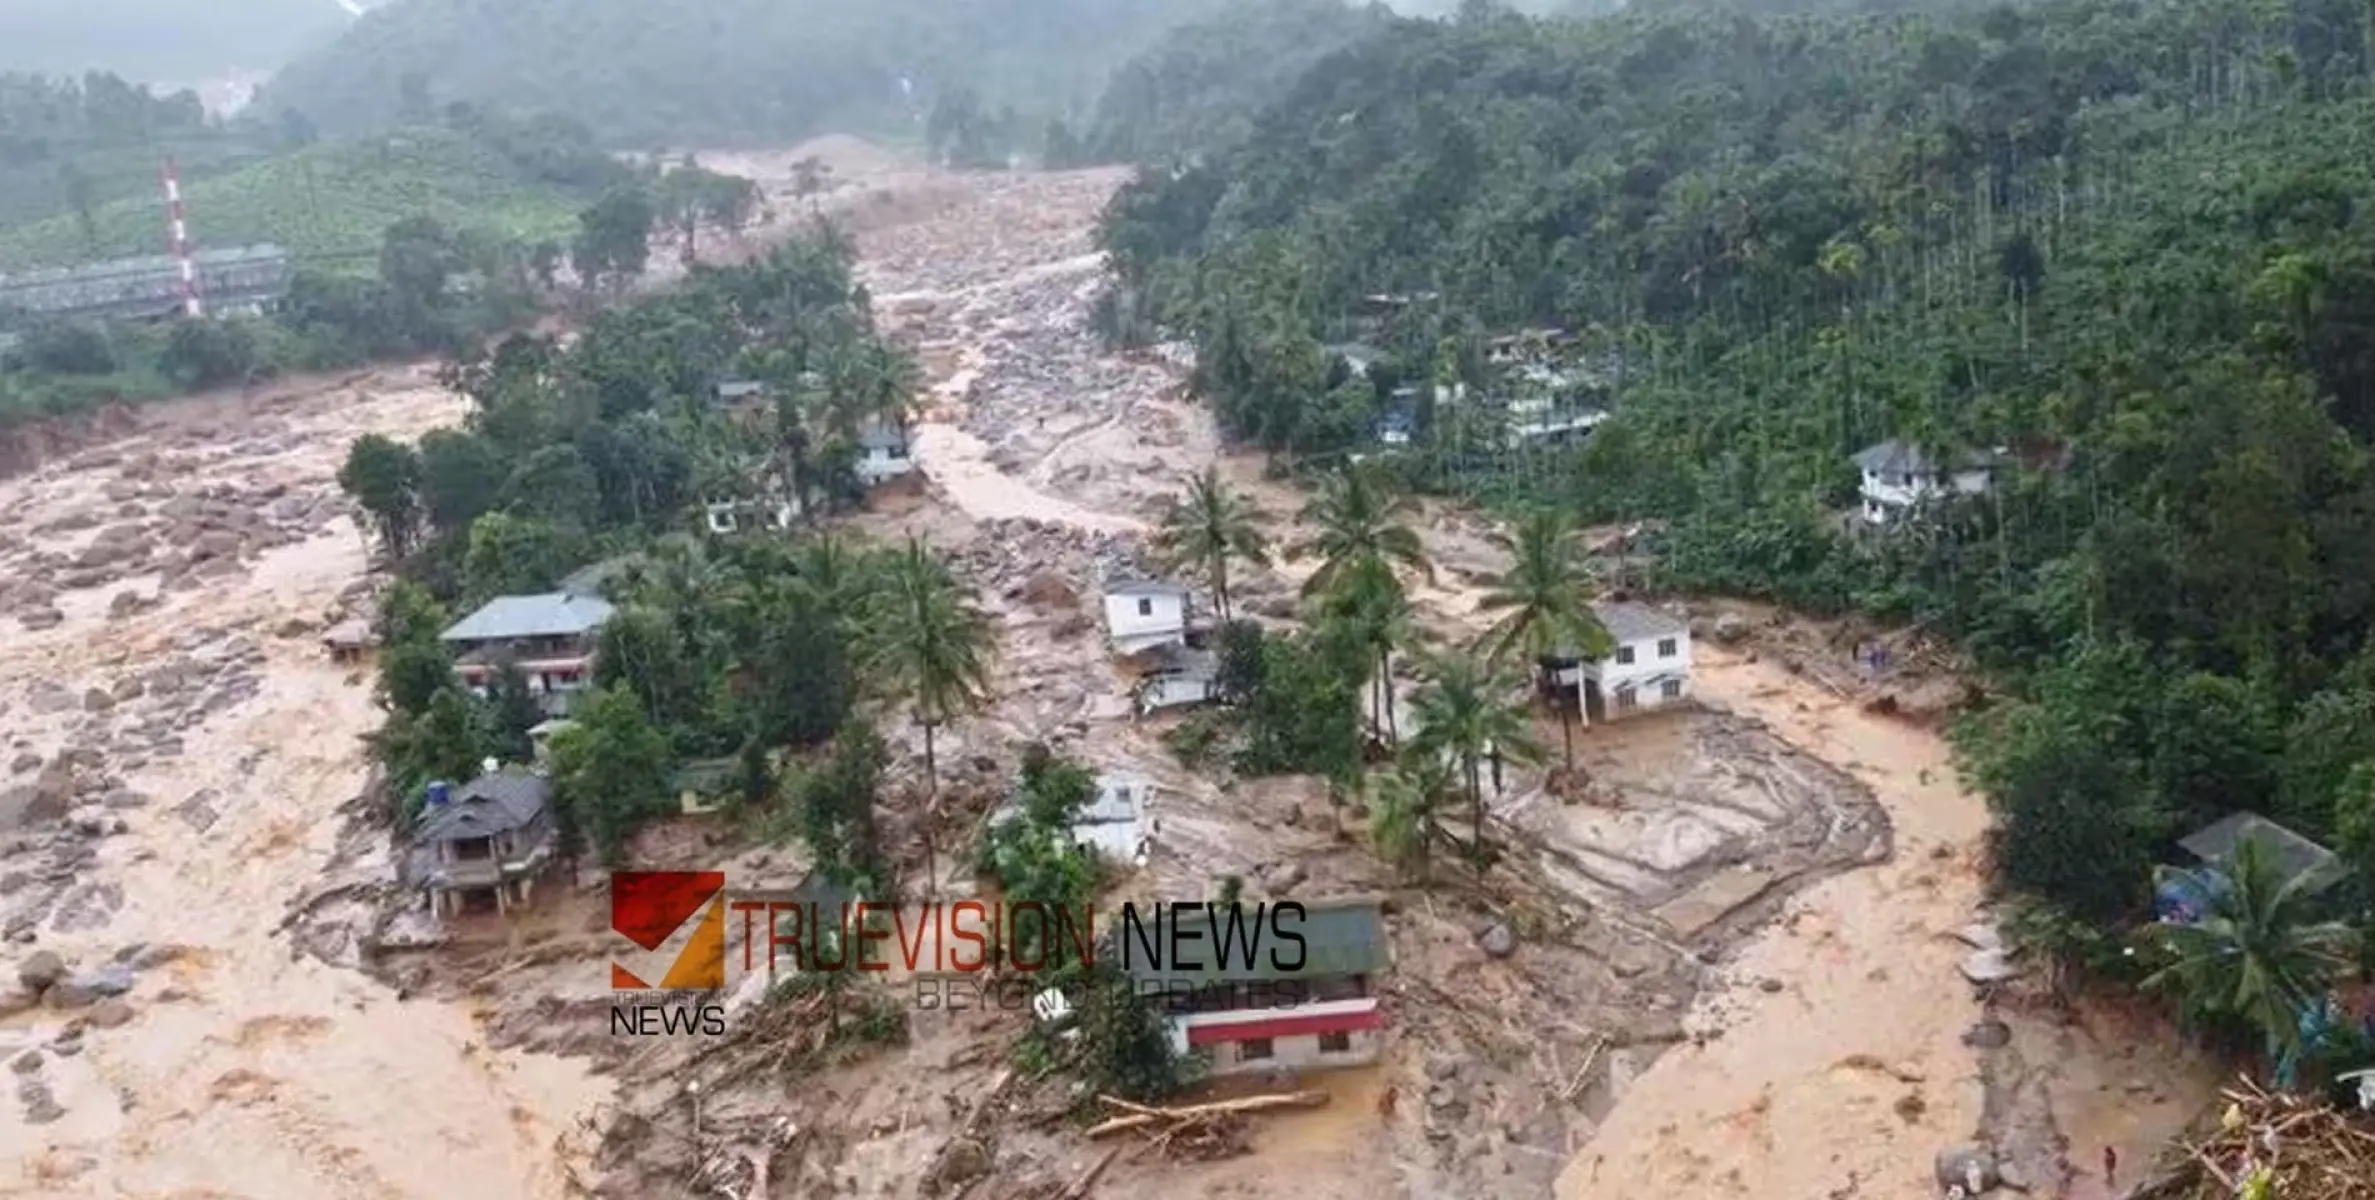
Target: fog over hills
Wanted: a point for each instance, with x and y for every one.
(184, 43)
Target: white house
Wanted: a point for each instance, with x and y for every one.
(1176, 674)
(732, 516)
(1141, 614)
(1897, 476)
(883, 452)
(1648, 669)
(1117, 823)
(1248, 1011)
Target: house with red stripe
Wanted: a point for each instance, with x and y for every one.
(1313, 1010)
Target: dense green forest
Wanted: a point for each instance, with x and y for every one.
(721, 70)
(181, 42)
(1198, 88)
(2126, 240)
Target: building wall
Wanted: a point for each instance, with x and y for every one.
(1164, 691)
(1885, 494)
(1294, 1052)
(1606, 681)
(1143, 619)
(878, 464)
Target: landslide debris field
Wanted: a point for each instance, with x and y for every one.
(215, 991)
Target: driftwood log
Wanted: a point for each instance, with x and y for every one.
(1141, 1116)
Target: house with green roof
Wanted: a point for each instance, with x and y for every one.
(1243, 1007)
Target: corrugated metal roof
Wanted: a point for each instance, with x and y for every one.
(2293, 853)
(1895, 457)
(552, 614)
(1144, 587)
(1637, 622)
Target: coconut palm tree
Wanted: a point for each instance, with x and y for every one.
(1464, 716)
(928, 647)
(2259, 956)
(1545, 602)
(1405, 811)
(1368, 614)
(1358, 517)
(1212, 525)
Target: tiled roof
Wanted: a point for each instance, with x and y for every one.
(484, 807)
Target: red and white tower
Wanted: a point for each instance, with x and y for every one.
(190, 303)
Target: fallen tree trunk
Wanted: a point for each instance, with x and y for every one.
(1140, 1115)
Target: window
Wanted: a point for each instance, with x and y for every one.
(1254, 1049)
(1671, 689)
(1625, 700)
(1666, 647)
(1624, 655)
(1146, 606)
(1335, 1043)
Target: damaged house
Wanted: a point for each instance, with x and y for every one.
(488, 839)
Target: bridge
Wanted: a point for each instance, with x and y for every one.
(244, 278)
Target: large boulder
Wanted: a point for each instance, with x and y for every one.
(1971, 1168)
(40, 970)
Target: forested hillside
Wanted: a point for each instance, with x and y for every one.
(168, 41)
(1198, 88)
(721, 70)
(2129, 241)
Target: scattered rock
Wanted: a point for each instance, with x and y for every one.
(1498, 940)
(198, 812)
(1988, 1035)
(26, 1063)
(1989, 966)
(41, 969)
(1730, 627)
(41, 1107)
(1280, 878)
(24, 762)
(16, 998)
(40, 618)
(1971, 1168)
(110, 1013)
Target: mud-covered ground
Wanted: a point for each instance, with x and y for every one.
(1732, 963)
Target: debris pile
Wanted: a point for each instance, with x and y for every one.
(2275, 1144)
(1199, 1131)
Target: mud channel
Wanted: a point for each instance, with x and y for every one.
(1731, 966)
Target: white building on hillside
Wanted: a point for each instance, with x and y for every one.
(1648, 669)
(1141, 614)
(883, 452)
(1897, 477)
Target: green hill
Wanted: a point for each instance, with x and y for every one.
(719, 70)
(330, 198)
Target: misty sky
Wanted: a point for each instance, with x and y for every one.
(163, 41)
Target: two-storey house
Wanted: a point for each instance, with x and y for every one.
(1898, 477)
(550, 637)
